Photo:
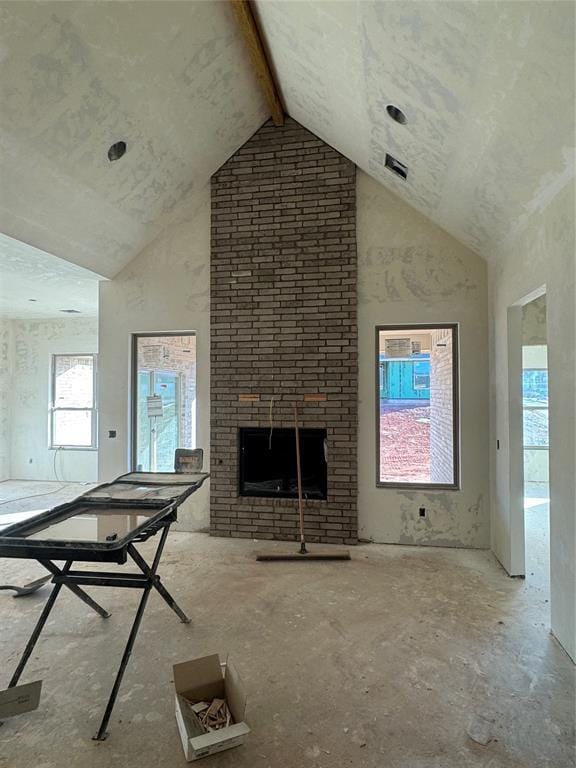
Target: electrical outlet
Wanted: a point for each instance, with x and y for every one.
(422, 511)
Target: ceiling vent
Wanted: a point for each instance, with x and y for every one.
(117, 151)
(397, 167)
(396, 114)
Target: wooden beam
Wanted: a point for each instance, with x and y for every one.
(249, 28)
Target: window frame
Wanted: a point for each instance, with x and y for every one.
(456, 437)
(93, 410)
(133, 389)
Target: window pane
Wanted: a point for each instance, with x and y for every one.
(165, 400)
(535, 387)
(73, 381)
(416, 406)
(72, 428)
(536, 428)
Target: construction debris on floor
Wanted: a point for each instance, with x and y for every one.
(211, 716)
(210, 706)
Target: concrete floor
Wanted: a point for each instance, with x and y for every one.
(384, 661)
(537, 536)
(22, 496)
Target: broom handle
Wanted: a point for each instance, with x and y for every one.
(299, 478)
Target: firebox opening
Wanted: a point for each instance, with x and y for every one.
(268, 463)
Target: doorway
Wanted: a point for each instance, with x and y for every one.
(535, 443)
(163, 399)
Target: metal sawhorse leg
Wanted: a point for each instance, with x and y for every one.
(73, 579)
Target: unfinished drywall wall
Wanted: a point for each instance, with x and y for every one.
(540, 253)
(6, 366)
(33, 344)
(165, 288)
(534, 322)
(410, 271)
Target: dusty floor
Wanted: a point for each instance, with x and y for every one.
(537, 540)
(23, 496)
(383, 662)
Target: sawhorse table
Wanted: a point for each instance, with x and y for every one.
(103, 525)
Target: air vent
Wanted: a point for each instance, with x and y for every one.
(71, 311)
(117, 151)
(396, 114)
(397, 167)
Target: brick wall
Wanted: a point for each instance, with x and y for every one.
(441, 407)
(283, 323)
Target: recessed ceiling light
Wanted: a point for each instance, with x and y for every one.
(71, 311)
(396, 114)
(397, 167)
(117, 151)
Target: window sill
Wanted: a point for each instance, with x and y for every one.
(420, 486)
(71, 448)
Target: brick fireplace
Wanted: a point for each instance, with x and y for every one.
(283, 325)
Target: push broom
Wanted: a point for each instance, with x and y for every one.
(303, 553)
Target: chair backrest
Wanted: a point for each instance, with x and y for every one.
(188, 460)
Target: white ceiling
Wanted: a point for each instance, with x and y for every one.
(172, 79)
(54, 284)
(488, 89)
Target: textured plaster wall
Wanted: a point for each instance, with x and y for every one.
(541, 254)
(6, 371)
(411, 271)
(534, 322)
(165, 288)
(34, 343)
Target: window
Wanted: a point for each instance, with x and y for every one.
(73, 406)
(535, 397)
(163, 399)
(417, 406)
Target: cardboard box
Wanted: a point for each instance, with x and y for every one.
(203, 680)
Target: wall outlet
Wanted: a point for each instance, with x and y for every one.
(422, 511)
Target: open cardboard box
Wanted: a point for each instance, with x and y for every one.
(202, 680)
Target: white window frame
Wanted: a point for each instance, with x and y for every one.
(53, 409)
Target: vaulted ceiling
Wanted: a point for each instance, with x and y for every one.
(487, 89)
(172, 79)
(35, 285)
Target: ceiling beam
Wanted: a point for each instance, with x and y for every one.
(249, 28)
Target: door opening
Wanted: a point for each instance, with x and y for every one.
(163, 399)
(535, 443)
